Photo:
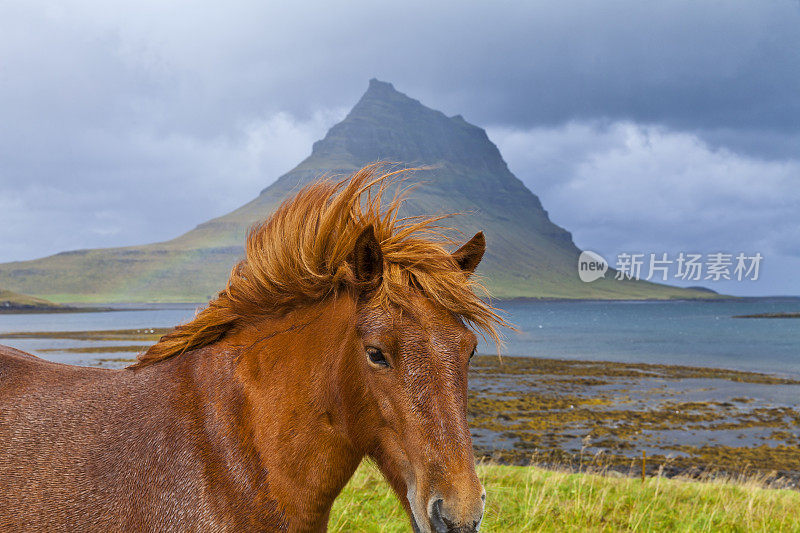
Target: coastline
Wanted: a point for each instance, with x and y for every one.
(50, 310)
(569, 414)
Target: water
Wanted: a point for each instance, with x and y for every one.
(671, 332)
(675, 332)
(144, 317)
(65, 350)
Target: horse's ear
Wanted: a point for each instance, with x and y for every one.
(367, 259)
(469, 255)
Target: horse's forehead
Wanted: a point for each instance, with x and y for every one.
(428, 313)
(423, 313)
(441, 327)
(425, 324)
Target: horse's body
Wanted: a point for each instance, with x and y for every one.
(88, 449)
(339, 337)
(170, 446)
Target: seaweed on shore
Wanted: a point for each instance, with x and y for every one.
(550, 411)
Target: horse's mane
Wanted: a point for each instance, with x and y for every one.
(299, 256)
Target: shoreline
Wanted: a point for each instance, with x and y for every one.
(770, 315)
(54, 310)
(721, 298)
(712, 298)
(106, 308)
(690, 421)
(710, 370)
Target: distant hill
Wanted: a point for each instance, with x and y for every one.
(15, 302)
(528, 255)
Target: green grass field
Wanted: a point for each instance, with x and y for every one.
(533, 499)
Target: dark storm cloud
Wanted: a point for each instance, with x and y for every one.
(189, 67)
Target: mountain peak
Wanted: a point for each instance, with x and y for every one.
(388, 125)
(379, 86)
(384, 95)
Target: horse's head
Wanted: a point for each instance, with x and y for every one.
(360, 315)
(412, 417)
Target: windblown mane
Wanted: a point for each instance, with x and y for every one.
(299, 256)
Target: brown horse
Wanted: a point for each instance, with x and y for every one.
(341, 335)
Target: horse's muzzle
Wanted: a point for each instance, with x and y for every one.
(441, 522)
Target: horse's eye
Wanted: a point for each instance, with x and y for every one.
(376, 357)
(472, 354)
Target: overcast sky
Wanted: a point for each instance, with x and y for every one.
(643, 126)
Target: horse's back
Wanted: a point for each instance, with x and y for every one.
(13, 362)
(59, 428)
(22, 374)
(87, 449)
(43, 403)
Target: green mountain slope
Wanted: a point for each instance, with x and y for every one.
(528, 255)
(12, 302)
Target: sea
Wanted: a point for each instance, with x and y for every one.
(696, 333)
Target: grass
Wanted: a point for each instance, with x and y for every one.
(533, 499)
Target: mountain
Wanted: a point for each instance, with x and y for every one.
(528, 255)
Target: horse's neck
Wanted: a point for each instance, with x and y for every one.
(289, 372)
